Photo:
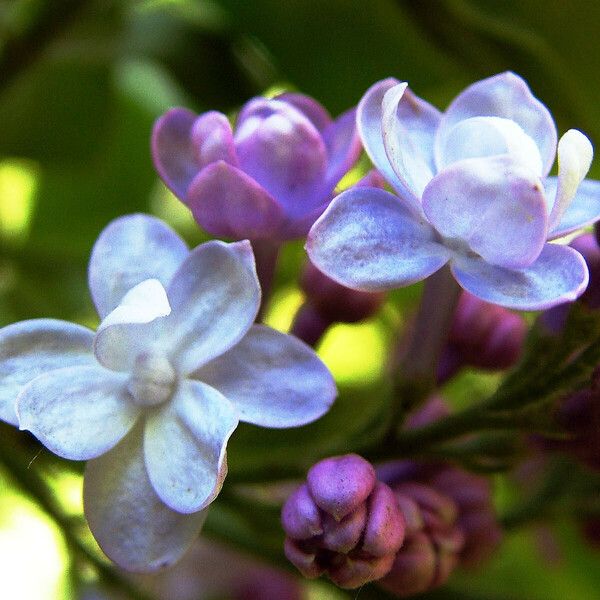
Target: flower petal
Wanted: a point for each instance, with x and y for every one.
(212, 138)
(408, 124)
(479, 137)
(185, 446)
(173, 150)
(134, 326)
(283, 151)
(505, 95)
(215, 297)
(558, 275)
(34, 347)
(575, 155)
(130, 250)
(583, 210)
(494, 204)
(343, 147)
(368, 120)
(273, 379)
(130, 523)
(228, 203)
(78, 412)
(309, 107)
(368, 240)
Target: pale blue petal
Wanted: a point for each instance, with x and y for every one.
(479, 137)
(31, 348)
(583, 210)
(410, 154)
(133, 327)
(369, 240)
(505, 95)
(130, 523)
(369, 115)
(185, 446)
(493, 205)
(273, 379)
(214, 297)
(130, 250)
(78, 412)
(558, 275)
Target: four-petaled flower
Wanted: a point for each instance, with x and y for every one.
(270, 178)
(472, 190)
(152, 398)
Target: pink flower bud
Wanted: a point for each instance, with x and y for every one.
(343, 522)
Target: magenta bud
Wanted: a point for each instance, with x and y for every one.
(414, 568)
(340, 484)
(362, 526)
(335, 301)
(300, 515)
(482, 335)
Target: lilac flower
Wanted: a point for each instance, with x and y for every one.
(270, 178)
(343, 522)
(152, 398)
(472, 190)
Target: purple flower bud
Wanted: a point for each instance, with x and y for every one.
(483, 335)
(343, 522)
(269, 178)
(328, 302)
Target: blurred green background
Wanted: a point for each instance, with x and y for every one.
(81, 82)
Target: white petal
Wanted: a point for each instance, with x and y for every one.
(133, 327)
(184, 446)
(369, 114)
(479, 137)
(78, 412)
(507, 96)
(30, 348)
(130, 250)
(273, 379)
(404, 155)
(575, 155)
(130, 523)
(215, 297)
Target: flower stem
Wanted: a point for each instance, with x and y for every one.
(415, 374)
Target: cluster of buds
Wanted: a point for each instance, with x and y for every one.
(587, 246)
(343, 522)
(328, 302)
(449, 522)
(482, 335)
(408, 534)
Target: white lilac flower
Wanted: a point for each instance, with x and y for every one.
(471, 190)
(151, 399)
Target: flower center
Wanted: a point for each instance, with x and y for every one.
(152, 379)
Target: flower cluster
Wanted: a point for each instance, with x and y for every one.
(471, 190)
(152, 397)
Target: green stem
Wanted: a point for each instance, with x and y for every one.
(415, 375)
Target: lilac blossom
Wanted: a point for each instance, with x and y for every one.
(471, 190)
(152, 397)
(269, 178)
